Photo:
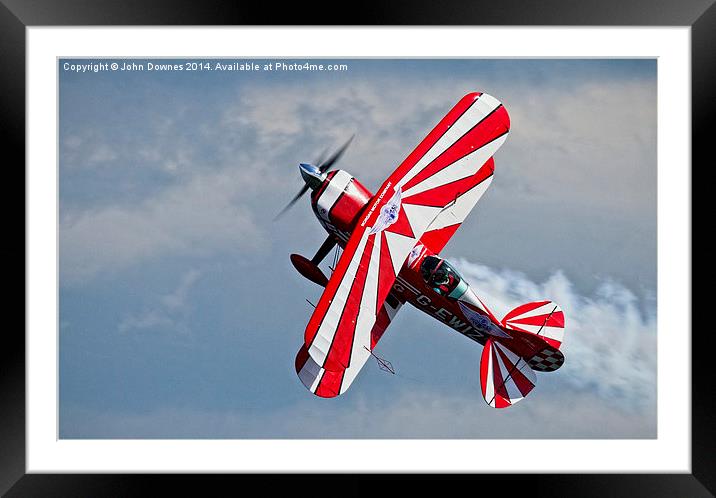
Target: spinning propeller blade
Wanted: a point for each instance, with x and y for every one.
(335, 157)
(300, 193)
(321, 168)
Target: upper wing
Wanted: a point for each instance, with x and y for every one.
(425, 192)
(466, 194)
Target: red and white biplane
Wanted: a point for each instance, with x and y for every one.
(391, 241)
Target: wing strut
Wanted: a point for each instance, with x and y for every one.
(323, 251)
(383, 364)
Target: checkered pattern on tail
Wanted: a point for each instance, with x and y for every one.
(547, 360)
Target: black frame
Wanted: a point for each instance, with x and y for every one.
(15, 15)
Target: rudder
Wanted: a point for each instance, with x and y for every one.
(505, 377)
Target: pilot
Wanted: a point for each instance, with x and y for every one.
(442, 281)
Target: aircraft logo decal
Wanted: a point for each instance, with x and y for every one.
(388, 213)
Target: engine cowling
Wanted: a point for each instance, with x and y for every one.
(339, 201)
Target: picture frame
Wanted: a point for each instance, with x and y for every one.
(15, 17)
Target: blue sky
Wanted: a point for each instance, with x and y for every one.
(180, 314)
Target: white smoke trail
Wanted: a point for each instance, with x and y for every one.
(610, 340)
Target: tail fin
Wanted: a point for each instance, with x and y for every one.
(505, 377)
(538, 331)
(542, 318)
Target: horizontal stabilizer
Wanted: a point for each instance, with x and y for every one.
(542, 318)
(505, 378)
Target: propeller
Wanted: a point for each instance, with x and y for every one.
(321, 168)
(335, 157)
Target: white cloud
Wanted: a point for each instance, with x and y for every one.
(168, 313)
(102, 154)
(594, 143)
(382, 113)
(204, 216)
(87, 150)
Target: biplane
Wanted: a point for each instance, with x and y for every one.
(391, 241)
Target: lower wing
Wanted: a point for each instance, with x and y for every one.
(329, 384)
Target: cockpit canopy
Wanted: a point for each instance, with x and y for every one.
(442, 277)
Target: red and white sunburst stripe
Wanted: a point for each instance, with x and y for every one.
(543, 318)
(505, 378)
(441, 182)
(329, 384)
